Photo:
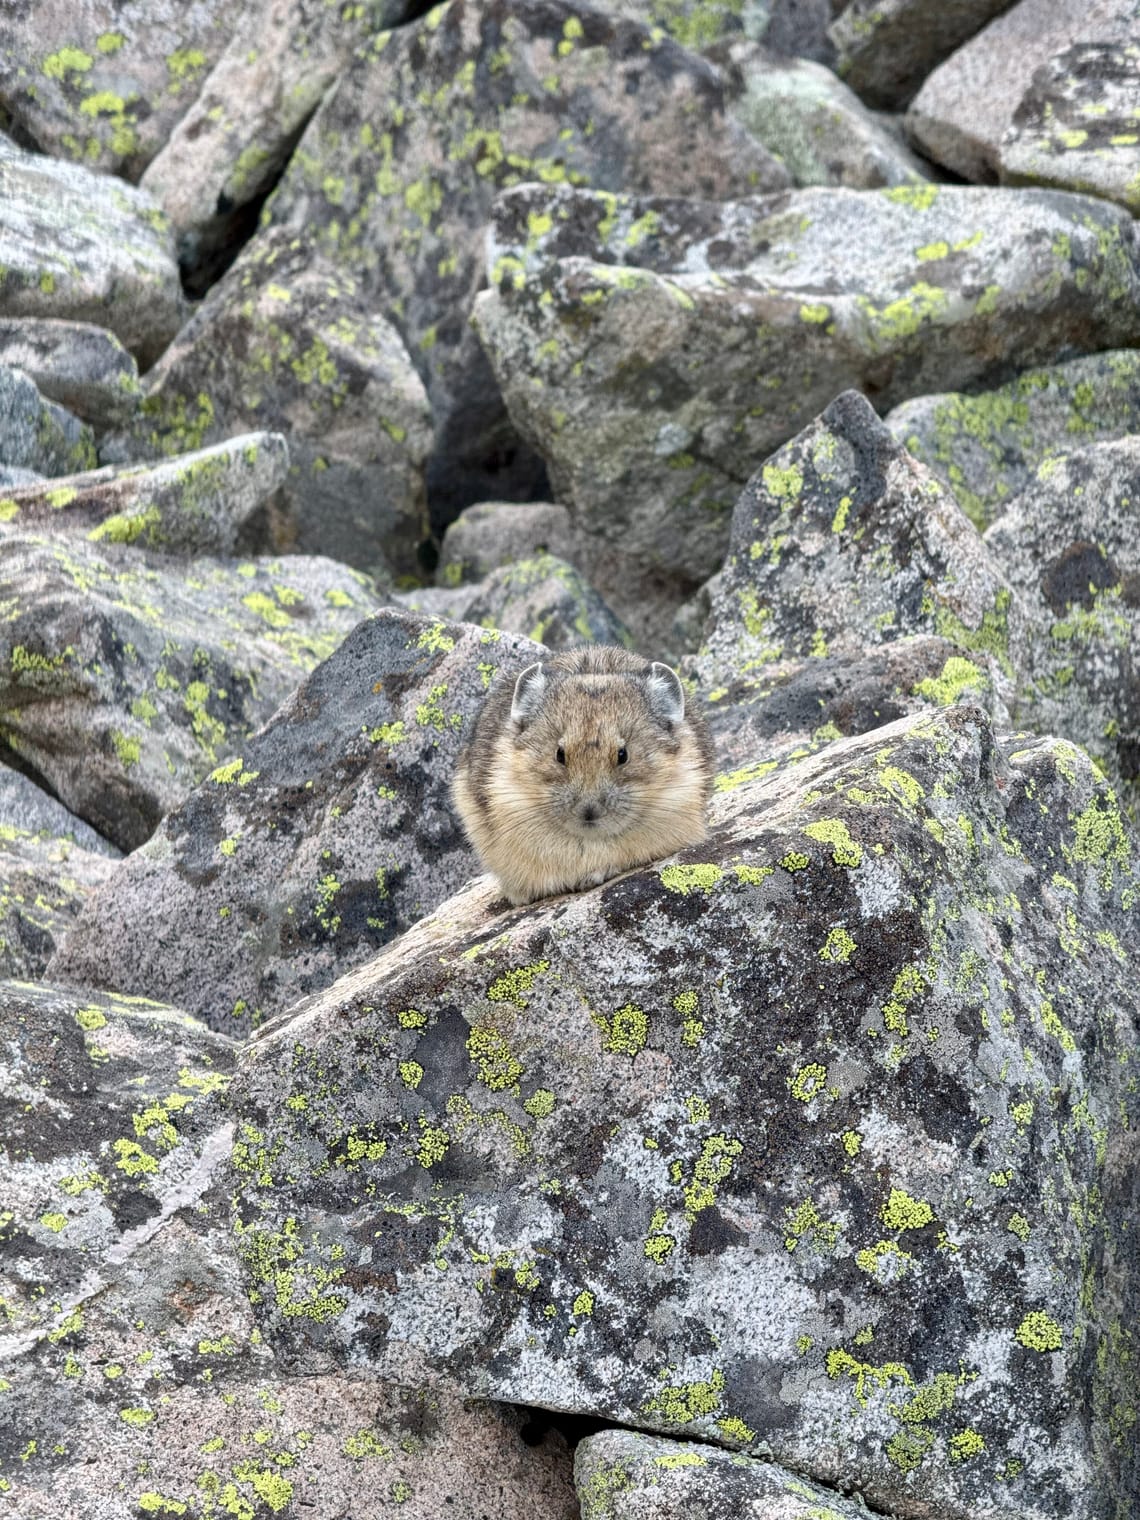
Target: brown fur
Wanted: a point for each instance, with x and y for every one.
(529, 817)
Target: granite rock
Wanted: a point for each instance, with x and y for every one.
(84, 368)
(885, 48)
(494, 533)
(36, 434)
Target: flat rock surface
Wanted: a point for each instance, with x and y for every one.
(330, 834)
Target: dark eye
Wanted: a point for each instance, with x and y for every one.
(560, 755)
(623, 755)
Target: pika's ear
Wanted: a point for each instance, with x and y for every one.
(666, 694)
(530, 689)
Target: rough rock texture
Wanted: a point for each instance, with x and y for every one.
(863, 1198)
(494, 533)
(816, 125)
(135, 1381)
(961, 114)
(399, 167)
(742, 321)
(1076, 125)
(330, 834)
(81, 246)
(624, 1475)
(84, 368)
(288, 341)
(887, 47)
(124, 679)
(25, 805)
(1070, 545)
(250, 109)
(987, 447)
(195, 504)
(105, 81)
(44, 881)
(35, 434)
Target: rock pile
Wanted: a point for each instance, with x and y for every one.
(350, 358)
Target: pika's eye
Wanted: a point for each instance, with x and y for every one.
(623, 755)
(560, 755)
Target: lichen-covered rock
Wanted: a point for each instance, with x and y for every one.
(987, 447)
(887, 47)
(104, 82)
(330, 834)
(84, 368)
(1076, 125)
(965, 107)
(195, 504)
(1070, 546)
(35, 434)
(44, 881)
(232, 142)
(124, 680)
(88, 248)
(730, 326)
(626, 1475)
(287, 341)
(816, 125)
(818, 1141)
(494, 533)
(397, 171)
(134, 1379)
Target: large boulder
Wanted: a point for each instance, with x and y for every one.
(36, 434)
(494, 533)
(83, 367)
(289, 342)
(860, 1195)
(125, 680)
(654, 352)
(397, 171)
(328, 836)
(885, 48)
(88, 248)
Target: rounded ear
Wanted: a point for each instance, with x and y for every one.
(666, 694)
(530, 689)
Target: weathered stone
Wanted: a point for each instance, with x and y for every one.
(494, 533)
(819, 1141)
(135, 1380)
(1070, 545)
(11, 476)
(24, 805)
(195, 504)
(44, 881)
(962, 112)
(86, 247)
(35, 434)
(887, 47)
(124, 681)
(987, 447)
(816, 125)
(84, 368)
(398, 169)
(625, 1475)
(1076, 125)
(327, 838)
(236, 136)
(812, 292)
(104, 82)
(286, 341)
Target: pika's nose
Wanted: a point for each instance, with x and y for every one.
(589, 813)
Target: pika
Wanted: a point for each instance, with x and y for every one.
(583, 766)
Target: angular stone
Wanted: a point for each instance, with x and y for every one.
(24, 805)
(44, 881)
(1070, 545)
(962, 112)
(105, 82)
(35, 434)
(863, 1198)
(330, 834)
(987, 447)
(1076, 126)
(625, 1475)
(814, 292)
(195, 504)
(494, 533)
(84, 368)
(289, 342)
(398, 169)
(887, 47)
(88, 248)
(125, 680)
